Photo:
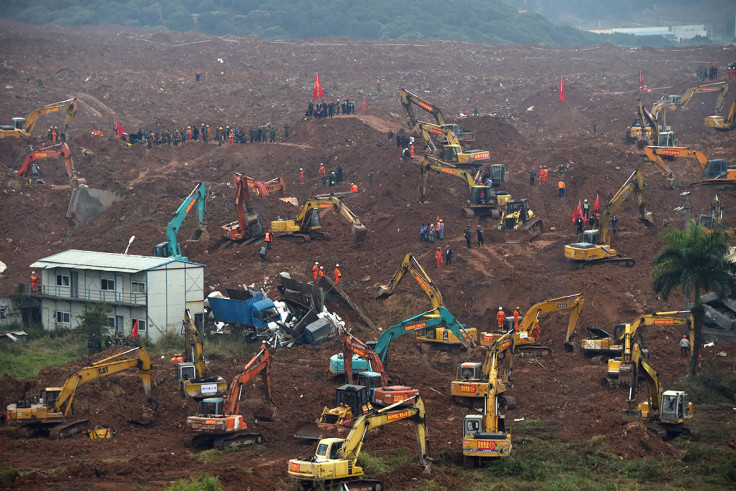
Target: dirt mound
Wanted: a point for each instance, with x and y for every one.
(635, 441)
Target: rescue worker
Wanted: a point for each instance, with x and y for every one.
(338, 274)
(321, 272)
(500, 316)
(315, 270)
(268, 239)
(532, 177)
(262, 253)
(353, 187)
(479, 231)
(517, 314)
(53, 135)
(177, 358)
(438, 256)
(579, 222)
(535, 330)
(431, 233)
(586, 207)
(561, 188)
(301, 175)
(614, 221)
(322, 169)
(448, 255)
(468, 236)
(441, 230)
(34, 282)
(684, 346)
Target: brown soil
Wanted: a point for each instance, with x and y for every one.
(146, 80)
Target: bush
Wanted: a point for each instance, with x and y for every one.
(8, 474)
(204, 483)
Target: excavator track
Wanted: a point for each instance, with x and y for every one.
(237, 441)
(533, 351)
(68, 429)
(622, 261)
(354, 484)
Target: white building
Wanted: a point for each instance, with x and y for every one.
(154, 291)
(673, 33)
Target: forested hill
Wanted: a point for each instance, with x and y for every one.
(483, 21)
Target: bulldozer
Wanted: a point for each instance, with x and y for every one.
(518, 223)
(307, 226)
(351, 401)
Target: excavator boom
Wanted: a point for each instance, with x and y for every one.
(307, 224)
(58, 150)
(412, 266)
(192, 376)
(249, 226)
(172, 248)
(24, 126)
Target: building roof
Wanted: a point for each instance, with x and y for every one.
(106, 261)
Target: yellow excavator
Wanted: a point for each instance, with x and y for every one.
(335, 462)
(723, 123)
(307, 223)
(660, 135)
(673, 101)
(714, 221)
(483, 200)
(407, 99)
(519, 222)
(715, 172)
(451, 152)
(24, 126)
(192, 372)
(410, 265)
(485, 436)
(526, 337)
(594, 246)
(47, 414)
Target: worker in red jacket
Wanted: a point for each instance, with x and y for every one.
(500, 316)
(438, 256)
(517, 314)
(315, 270)
(338, 274)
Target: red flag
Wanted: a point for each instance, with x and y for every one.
(362, 108)
(134, 334)
(641, 80)
(562, 91)
(597, 204)
(119, 129)
(578, 212)
(317, 92)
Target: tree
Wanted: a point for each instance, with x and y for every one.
(694, 260)
(94, 325)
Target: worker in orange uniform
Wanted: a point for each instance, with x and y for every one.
(177, 358)
(301, 175)
(535, 330)
(321, 272)
(34, 282)
(517, 314)
(561, 188)
(353, 187)
(438, 256)
(268, 239)
(315, 270)
(338, 274)
(500, 316)
(322, 169)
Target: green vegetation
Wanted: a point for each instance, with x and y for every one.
(25, 360)
(395, 458)
(214, 456)
(8, 474)
(204, 483)
(215, 347)
(490, 22)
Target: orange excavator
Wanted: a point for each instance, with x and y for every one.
(249, 225)
(218, 422)
(715, 171)
(265, 188)
(58, 150)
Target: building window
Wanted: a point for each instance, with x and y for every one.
(63, 317)
(107, 285)
(137, 287)
(62, 280)
(110, 322)
(141, 324)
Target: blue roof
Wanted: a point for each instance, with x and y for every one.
(106, 261)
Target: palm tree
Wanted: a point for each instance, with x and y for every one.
(696, 261)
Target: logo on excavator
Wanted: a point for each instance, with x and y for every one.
(664, 321)
(325, 205)
(467, 389)
(414, 327)
(481, 155)
(436, 131)
(561, 305)
(449, 171)
(294, 467)
(359, 352)
(102, 370)
(426, 106)
(397, 397)
(395, 416)
(487, 444)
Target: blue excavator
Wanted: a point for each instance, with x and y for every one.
(172, 248)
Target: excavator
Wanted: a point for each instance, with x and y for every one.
(265, 188)
(714, 221)
(723, 123)
(594, 246)
(665, 412)
(451, 152)
(47, 414)
(335, 462)
(673, 102)
(482, 200)
(307, 224)
(411, 265)
(24, 126)
(407, 99)
(519, 222)
(715, 172)
(192, 372)
(485, 436)
(218, 423)
(58, 150)
(249, 226)
(526, 337)
(172, 248)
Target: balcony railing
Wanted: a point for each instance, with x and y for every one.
(90, 295)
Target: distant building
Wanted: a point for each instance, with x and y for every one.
(673, 33)
(154, 291)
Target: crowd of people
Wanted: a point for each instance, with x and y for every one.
(328, 109)
(222, 135)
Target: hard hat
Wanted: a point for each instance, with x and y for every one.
(517, 308)
(269, 229)
(33, 272)
(316, 262)
(321, 267)
(500, 308)
(477, 226)
(585, 200)
(447, 246)
(337, 265)
(684, 336)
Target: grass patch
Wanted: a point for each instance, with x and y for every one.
(204, 483)
(215, 347)
(25, 360)
(373, 464)
(8, 474)
(214, 456)
(709, 387)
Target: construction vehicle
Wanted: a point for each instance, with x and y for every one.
(485, 436)
(604, 342)
(172, 248)
(29, 168)
(335, 462)
(407, 99)
(519, 217)
(594, 246)
(411, 265)
(526, 337)
(47, 414)
(723, 123)
(436, 327)
(665, 412)
(663, 135)
(714, 221)
(451, 152)
(715, 172)
(268, 187)
(249, 226)
(673, 101)
(218, 423)
(351, 401)
(482, 200)
(307, 223)
(192, 372)
(24, 126)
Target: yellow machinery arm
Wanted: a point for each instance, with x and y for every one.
(412, 266)
(430, 163)
(25, 126)
(634, 183)
(194, 352)
(323, 202)
(407, 99)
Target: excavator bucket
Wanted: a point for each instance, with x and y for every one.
(359, 231)
(529, 231)
(383, 291)
(318, 431)
(199, 234)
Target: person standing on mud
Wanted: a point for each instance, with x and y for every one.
(448, 255)
(467, 236)
(684, 346)
(500, 316)
(532, 177)
(438, 256)
(479, 231)
(390, 137)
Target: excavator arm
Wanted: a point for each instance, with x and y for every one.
(720, 87)
(430, 163)
(327, 202)
(196, 197)
(260, 363)
(655, 154)
(352, 345)
(103, 368)
(194, 352)
(407, 99)
(721, 123)
(265, 188)
(71, 109)
(634, 183)
(249, 225)
(412, 266)
(58, 150)
(428, 129)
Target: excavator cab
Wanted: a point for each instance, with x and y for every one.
(371, 380)
(716, 169)
(212, 406)
(675, 407)
(18, 123)
(667, 139)
(449, 154)
(588, 237)
(50, 395)
(469, 371)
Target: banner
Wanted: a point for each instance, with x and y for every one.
(119, 129)
(317, 92)
(578, 212)
(562, 91)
